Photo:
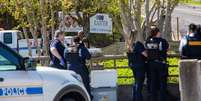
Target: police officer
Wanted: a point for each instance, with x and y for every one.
(81, 35)
(137, 59)
(190, 45)
(56, 51)
(158, 71)
(76, 59)
(83, 38)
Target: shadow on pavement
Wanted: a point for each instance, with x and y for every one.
(125, 93)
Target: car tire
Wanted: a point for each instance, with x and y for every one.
(68, 99)
(63, 94)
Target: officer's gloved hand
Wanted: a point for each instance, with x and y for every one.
(62, 62)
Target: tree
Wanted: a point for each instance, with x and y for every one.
(128, 15)
(156, 13)
(34, 15)
(167, 23)
(17, 10)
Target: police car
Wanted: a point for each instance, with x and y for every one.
(21, 81)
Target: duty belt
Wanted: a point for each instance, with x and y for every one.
(159, 60)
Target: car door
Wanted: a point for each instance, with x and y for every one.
(16, 83)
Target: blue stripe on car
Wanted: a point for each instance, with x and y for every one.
(15, 91)
(34, 90)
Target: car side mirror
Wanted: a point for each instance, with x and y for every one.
(30, 64)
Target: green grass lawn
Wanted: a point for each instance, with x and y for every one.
(191, 2)
(128, 72)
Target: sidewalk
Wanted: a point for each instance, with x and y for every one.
(190, 6)
(125, 93)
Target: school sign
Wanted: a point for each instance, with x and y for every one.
(101, 23)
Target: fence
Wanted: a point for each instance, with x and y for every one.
(98, 60)
(95, 63)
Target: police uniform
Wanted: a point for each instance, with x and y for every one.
(55, 62)
(158, 69)
(77, 63)
(190, 46)
(137, 64)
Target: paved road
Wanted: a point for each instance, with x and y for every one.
(187, 15)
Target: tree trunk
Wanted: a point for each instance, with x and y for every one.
(158, 3)
(161, 23)
(167, 28)
(167, 23)
(124, 20)
(32, 22)
(86, 24)
(147, 26)
(44, 31)
(52, 19)
(27, 39)
(127, 25)
(137, 18)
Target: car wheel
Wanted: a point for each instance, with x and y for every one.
(68, 99)
(72, 93)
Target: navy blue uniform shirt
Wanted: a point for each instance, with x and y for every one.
(79, 57)
(84, 53)
(188, 51)
(60, 48)
(138, 57)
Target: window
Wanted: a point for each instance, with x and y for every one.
(6, 65)
(7, 37)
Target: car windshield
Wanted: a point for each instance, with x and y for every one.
(6, 65)
(9, 57)
(4, 61)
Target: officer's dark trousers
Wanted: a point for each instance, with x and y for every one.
(158, 80)
(139, 74)
(57, 66)
(84, 73)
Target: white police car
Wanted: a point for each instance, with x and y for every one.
(21, 81)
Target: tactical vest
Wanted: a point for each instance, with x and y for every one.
(193, 48)
(154, 49)
(73, 57)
